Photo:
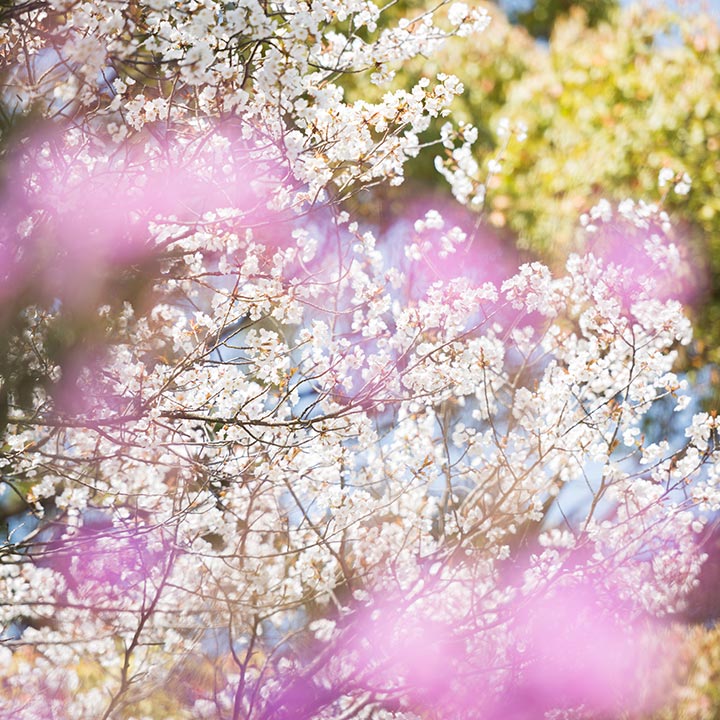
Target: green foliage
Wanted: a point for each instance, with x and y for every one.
(698, 696)
(540, 18)
(606, 110)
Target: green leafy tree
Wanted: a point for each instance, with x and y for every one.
(539, 17)
(608, 109)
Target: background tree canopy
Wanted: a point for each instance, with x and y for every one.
(539, 18)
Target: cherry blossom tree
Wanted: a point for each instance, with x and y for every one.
(260, 463)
